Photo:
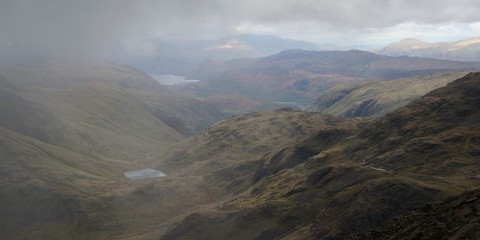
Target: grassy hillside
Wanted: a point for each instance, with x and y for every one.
(230, 153)
(378, 98)
(48, 192)
(68, 133)
(96, 119)
(184, 114)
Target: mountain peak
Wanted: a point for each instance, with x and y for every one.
(468, 42)
(410, 40)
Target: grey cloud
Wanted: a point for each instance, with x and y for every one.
(111, 28)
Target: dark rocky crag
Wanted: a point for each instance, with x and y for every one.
(432, 143)
(456, 218)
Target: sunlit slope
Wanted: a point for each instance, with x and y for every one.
(463, 50)
(378, 98)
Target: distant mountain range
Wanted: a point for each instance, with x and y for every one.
(181, 57)
(295, 78)
(463, 50)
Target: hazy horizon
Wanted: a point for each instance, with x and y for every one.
(128, 29)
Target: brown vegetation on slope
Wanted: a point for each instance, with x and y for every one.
(419, 154)
(298, 77)
(456, 218)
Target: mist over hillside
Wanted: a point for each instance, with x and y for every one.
(183, 57)
(262, 120)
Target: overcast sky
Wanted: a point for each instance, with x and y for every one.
(109, 28)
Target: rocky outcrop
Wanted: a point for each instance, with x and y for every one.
(456, 218)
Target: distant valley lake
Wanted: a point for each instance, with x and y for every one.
(170, 79)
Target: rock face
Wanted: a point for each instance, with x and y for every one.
(456, 218)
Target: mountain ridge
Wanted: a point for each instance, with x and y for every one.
(295, 78)
(462, 50)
